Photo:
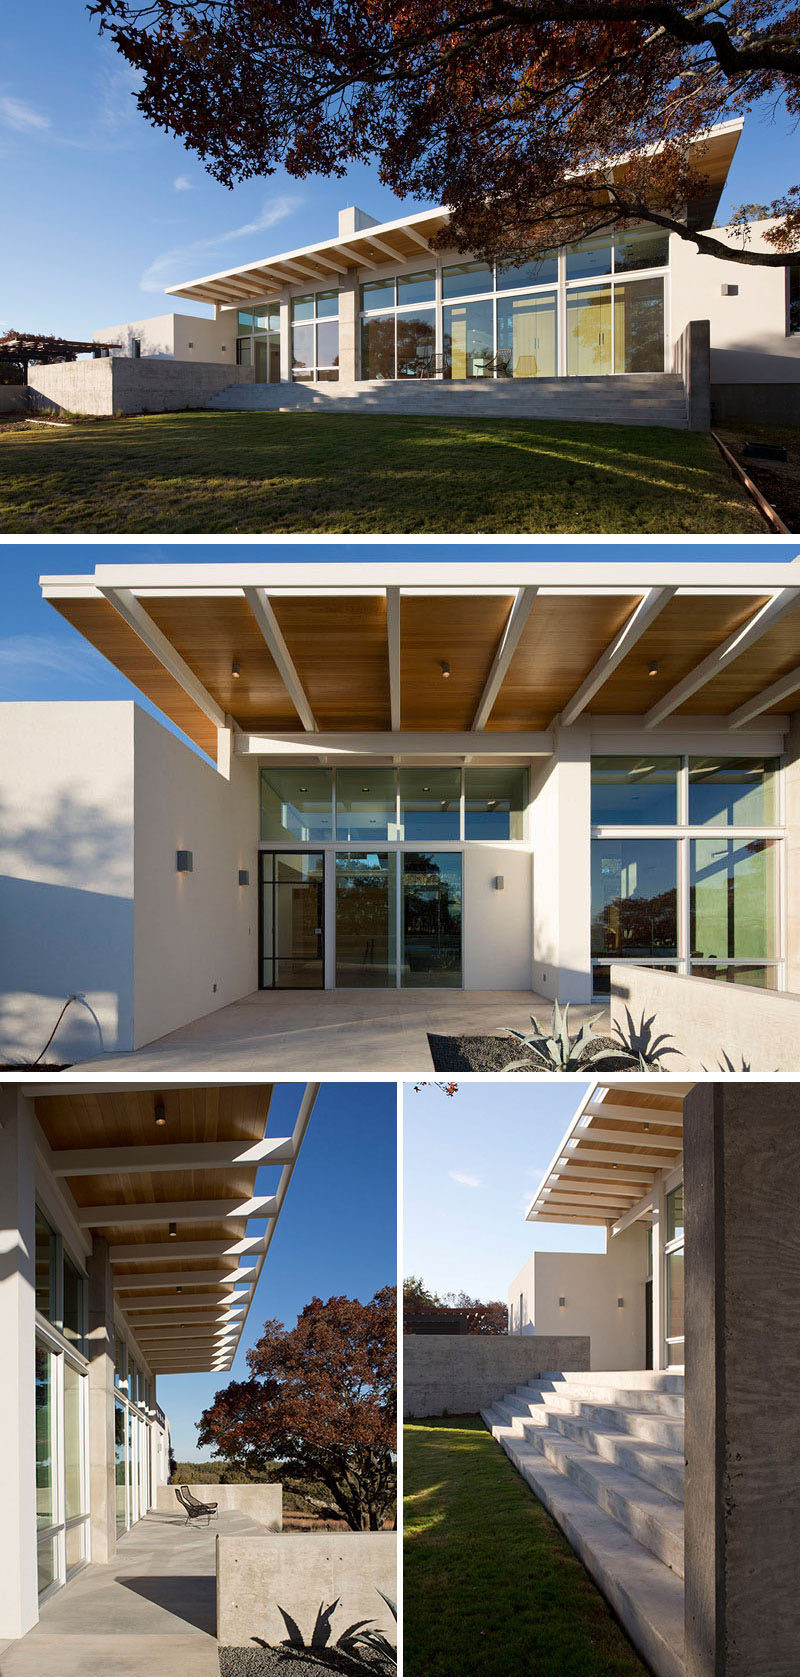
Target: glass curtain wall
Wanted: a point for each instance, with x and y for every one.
(315, 337)
(597, 307)
(132, 1411)
(674, 1278)
(687, 854)
(60, 1409)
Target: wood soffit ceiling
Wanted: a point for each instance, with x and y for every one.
(339, 646)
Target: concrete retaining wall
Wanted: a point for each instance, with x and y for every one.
(263, 1503)
(118, 385)
(763, 404)
(447, 1374)
(300, 1572)
(707, 1019)
(691, 360)
(13, 398)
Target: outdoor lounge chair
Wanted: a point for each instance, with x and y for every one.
(193, 1508)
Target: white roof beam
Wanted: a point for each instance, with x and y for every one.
(397, 742)
(649, 607)
(416, 238)
(137, 619)
(640, 1209)
(199, 1155)
(246, 1245)
(645, 1161)
(773, 695)
(228, 1303)
(381, 245)
(175, 1211)
(201, 1319)
(134, 1281)
(259, 603)
(354, 257)
(509, 640)
(629, 1115)
(673, 1143)
(393, 640)
(723, 656)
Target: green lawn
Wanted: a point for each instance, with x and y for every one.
(491, 1587)
(263, 473)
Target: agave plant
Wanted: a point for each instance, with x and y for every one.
(639, 1044)
(557, 1050)
(361, 1644)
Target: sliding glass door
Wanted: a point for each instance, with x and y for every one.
(366, 920)
(431, 919)
(62, 1537)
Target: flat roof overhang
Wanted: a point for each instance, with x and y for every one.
(176, 1202)
(334, 659)
(408, 238)
(624, 1134)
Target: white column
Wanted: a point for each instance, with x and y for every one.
(286, 337)
(659, 1270)
(102, 1477)
(561, 831)
(348, 326)
(18, 1587)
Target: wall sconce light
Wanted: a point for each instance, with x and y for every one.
(244, 876)
(498, 883)
(652, 669)
(191, 345)
(620, 1303)
(235, 670)
(445, 669)
(173, 1231)
(562, 1302)
(729, 290)
(184, 861)
(160, 1114)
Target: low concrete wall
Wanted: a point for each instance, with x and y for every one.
(13, 398)
(706, 1019)
(765, 404)
(446, 1374)
(300, 1572)
(263, 1503)
(121, 385)
(691, 360)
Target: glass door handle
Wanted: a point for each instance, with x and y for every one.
(318, 931)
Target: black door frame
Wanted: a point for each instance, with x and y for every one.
(278, 851)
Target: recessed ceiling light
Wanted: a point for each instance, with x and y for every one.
(652, 669)
(303, 788)
(160, 1114)
(426, 788)
(365, 788)
(235, 670)
(445, 669)
(173, 1231)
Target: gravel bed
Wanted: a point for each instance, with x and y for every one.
(496, 1053)
(295, 1662)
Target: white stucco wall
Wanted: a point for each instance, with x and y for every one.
(180, 337)
(66, 877)
(591, 1287)
(749, 339)
(195, 934)
(560, 826)
(497, 934)
(18, 1596)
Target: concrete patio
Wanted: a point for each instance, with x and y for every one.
(151, 1613)
(337, 1030)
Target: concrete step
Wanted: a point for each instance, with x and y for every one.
(655, 1464)
(614, 1417)
(627, 399)
(638, 1379)
(654, 1519)
(646, 1594)
(656, 1402)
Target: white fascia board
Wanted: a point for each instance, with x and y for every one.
(626, 735)
(530, 1215)
(504, 575)
(402, 744)
(199, 1155)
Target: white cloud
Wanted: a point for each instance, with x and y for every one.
(173, 265)
(14, 113)
(464, 1180)
(23, 658)
(181, 183)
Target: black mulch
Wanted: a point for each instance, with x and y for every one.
(497, 1053)
(295, 1662)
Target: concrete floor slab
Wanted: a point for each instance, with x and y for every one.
(150, 1613)
(336, 1030)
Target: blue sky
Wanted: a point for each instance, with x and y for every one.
(101, 211)
(471, 1163)
(336, 1234)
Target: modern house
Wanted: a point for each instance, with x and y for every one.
(557, 780)
(657, 1475)
(132, 1243)
(377, 317)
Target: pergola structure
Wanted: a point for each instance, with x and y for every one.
(25, 349)
(409, 238)
(302, 660)
(167, 1176)
(624, 1135)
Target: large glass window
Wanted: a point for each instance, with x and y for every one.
(675, 1305)
(635, 791)
(74, 1295)
(733, 899)
(793, 298)
(47, 1267)
(366, 920)
(494, 802)
(542, 270)
(292, 920)
(297, 804)
(315, 337)
(398, 330)
(431, 953)
(737, 792)
(366, 804)
(589, 331)
(430, 801)
(468, 339)
(258, 343)
(674, 1207)
(634, 898)
(119, 1467)
(527, 333)
(45, 1439)
(74, 1468)
(639, 326)
(378, 354)
(467, 279)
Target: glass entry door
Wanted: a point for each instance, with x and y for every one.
(431, 919)
(292, 906)
(366, 920)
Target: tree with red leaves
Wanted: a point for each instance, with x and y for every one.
(323, 1403)
(507, 110)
